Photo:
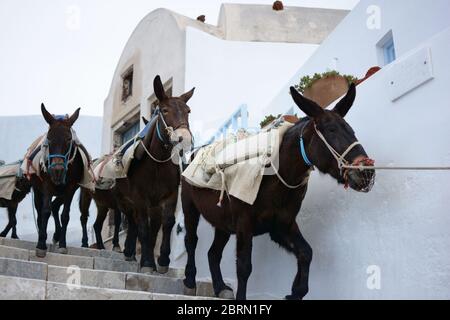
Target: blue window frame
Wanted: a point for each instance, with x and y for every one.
(130, 132)
(389, 51)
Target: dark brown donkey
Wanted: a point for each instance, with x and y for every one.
(277, 204)
(23, 187)
(64, 172)
(151, 187)
(104, 200)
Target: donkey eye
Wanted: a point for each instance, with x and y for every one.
(165, 111)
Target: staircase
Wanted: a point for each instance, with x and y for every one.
(84, 274)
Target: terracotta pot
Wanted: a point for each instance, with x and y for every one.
(326, 90)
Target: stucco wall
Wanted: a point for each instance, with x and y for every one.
(230, 73)
(401, 226)
(241, 22)
(352, 47)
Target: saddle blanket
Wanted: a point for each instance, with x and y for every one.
(8, 176)
(37, 154)
(237, 166)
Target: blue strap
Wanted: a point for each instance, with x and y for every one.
(158, 132)
(303, 153)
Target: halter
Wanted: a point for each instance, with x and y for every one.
(342, 163)
(157, 116)
(65, 157)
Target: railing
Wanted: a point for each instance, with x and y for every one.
(238, 120)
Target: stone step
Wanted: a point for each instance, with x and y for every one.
(21, 251)
(86, 252)
(97, 278)
(16, 288)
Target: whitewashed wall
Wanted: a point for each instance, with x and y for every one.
(401, 227)
(16, 135)
(230, 73)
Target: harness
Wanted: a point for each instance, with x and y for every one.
(167, 143)
(67, 159)
(340, 158)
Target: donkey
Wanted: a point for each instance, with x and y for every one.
(278, 203)
(23, 187)
(64, 173)
(151, 186)
(104, 200)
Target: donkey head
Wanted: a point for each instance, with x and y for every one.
(60, 144)
(174, 111)
(332, 138)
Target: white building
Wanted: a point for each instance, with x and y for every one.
(390, 243)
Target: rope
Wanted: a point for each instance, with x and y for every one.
(397, 168)
(152, 157)
(283, 181)
(33, 209)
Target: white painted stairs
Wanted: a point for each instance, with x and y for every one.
(84, 274)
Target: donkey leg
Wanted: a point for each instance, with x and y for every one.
(214, 257)
(303, 253)
(65, 217)
(293, 241)
(117, 223)
(11, 216)
(144, 238)
(56, 205)
(13, 220)
(155, 225)
(102, 212)
(130, 241)
(167, 226)
(84, 204)
(244, 239)
(43, 215)
(191, 219)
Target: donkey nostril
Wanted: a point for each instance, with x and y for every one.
(180, 139)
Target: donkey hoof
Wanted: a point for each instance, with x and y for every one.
(41, 253)
(163, 270)
(63, 250)
(130, 259)
(226, 294)
(292, 297)
(117, 249)
(147, 270)
(189, 291)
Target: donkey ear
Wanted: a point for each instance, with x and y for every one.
(346, 102)
(159, 89)
(144, 120)
(74, 117)
(309, 107)
(47, 116)
(187, 96)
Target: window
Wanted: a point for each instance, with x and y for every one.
(386, 49)
(127, 84)
(130, 132)
(389, 52)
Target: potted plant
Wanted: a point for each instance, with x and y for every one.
(324, 88)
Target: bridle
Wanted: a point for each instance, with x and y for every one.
(167, 143)
(340, 158)
(67, 159)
